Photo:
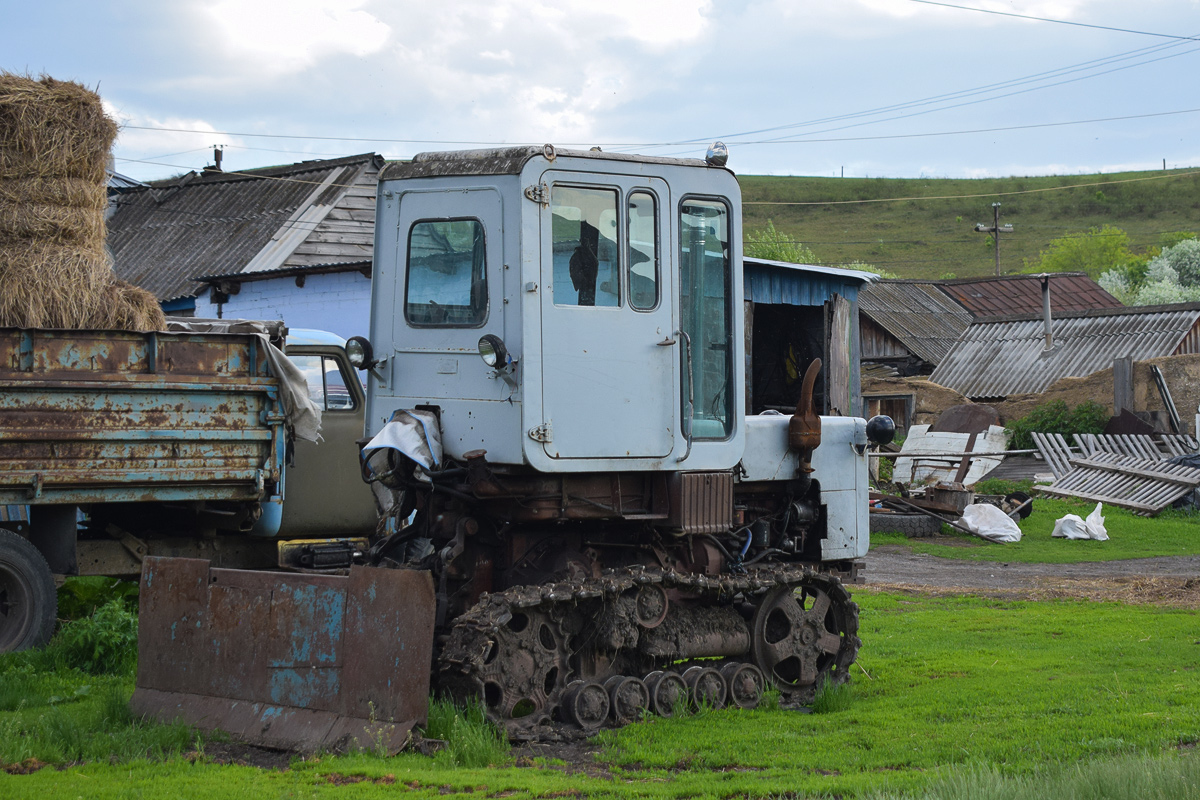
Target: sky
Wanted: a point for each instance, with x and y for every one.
(860, 88)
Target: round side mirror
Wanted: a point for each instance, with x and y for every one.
(881, 429)
(358, 351)
(492, 351)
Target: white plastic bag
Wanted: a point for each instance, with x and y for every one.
(1095, 525)
(1072, 527)
(991, 523)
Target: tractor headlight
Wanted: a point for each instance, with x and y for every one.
(492, 351)
(358, 350)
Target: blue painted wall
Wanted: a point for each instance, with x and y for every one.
(338, 302)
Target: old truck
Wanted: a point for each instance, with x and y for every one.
(129, 445)
(556, 361)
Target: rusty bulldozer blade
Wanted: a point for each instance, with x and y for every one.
(291, 661)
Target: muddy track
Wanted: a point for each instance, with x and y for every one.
(1166, 580)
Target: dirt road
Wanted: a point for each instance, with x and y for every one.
(1165, 581)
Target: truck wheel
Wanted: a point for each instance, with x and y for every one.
(914, 526)
(28, 600)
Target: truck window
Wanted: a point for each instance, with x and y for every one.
(643, 251)
(706, 314)
(446, 282)
(584, 242)
(326, 383)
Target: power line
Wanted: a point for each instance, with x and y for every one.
(1055, 21)
(975, 130)
(1067, 70)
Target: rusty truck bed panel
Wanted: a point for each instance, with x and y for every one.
(111, 416)
(286, 660)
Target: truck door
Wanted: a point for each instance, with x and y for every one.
(609, 350)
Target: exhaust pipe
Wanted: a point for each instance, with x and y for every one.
(804, 428)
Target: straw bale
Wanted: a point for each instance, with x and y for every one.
(65, 225)
(125, 307)
(50, 285)
(51, 128)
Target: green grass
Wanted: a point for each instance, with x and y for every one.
(471, 740)
(1122, 778)
(927, 238)
(1172, 533)
(956, 687)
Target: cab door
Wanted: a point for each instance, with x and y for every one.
(610, 354)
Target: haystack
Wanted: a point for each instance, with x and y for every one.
(54, 270)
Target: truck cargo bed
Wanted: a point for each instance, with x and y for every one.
(112, 416)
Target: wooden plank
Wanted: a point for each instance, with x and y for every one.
(1055, 453)
(1099, 498)
(1144, 471)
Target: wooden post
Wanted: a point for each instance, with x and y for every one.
(1122, 385)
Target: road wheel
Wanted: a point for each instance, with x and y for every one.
(28, 600)
(911, 525)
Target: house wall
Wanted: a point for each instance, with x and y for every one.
(338, 302)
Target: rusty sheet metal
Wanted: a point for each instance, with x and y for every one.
(108, 416)
(286, 660)
(1006, 295)
(1146, 486)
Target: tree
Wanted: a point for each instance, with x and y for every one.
(1095, 251)
(1170, 277)
(774, 245)
(1184, 259)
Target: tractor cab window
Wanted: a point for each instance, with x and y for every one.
(584, 242)
(446, 284)
(704, 275)
(643, 251)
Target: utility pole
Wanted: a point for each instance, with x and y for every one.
(995, 230)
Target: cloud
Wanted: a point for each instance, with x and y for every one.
(166, 143)
(281, 37)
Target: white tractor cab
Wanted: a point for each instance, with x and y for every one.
(557, 371)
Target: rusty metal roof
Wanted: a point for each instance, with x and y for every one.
(998, 357)
(167, 234)
(918, 313)
(1022, 294)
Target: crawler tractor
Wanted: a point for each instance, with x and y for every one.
(556, 370)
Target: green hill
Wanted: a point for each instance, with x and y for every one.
(925, 228)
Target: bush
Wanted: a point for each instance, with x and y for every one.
(103, 644)
(1055, 417)
(774, 245)
(80, 597)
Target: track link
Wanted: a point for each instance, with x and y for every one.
(523, 651)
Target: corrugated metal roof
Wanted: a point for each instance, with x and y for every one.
(1022, 294)
(919, 314)
(781, 282)
(120, 183)
(1000, 357)
(165, 235)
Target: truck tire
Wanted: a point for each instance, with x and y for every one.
(28, 599)
(914, 526)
